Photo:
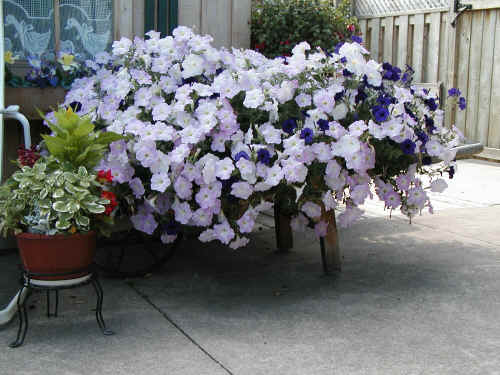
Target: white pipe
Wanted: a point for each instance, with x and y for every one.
(10, 311)
(2, 78)
(12, 111)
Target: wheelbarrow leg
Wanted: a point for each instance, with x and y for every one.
(284, 236)
(331, 256)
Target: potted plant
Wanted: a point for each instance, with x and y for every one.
(56, 202)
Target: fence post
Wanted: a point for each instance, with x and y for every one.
(451, 66)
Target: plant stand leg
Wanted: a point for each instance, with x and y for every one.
(56, 307)
(98, 311)
(23, 320)
(284, 236)
(331, 256)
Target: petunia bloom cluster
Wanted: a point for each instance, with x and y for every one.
(214, 137)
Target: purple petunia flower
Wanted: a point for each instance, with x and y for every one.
(431, 104)
(422, 136)
(289, 125)
(324, 124)
(338, 46)
(454, 92)
(307, 134)
(241, 154)
(380, 113)
(361, 96)
(346, 73)
(263, 156)
(408, 147)
(429, 124)
(357, 39)
(144, 222)
(462, 104)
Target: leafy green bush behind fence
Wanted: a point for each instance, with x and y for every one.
(278, 25)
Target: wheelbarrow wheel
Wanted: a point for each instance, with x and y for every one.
(131, 254)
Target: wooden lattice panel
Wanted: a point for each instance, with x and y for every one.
(370, 8)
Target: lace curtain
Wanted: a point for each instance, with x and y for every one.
(29, 27)
(86, 27)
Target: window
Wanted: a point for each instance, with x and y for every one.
(41, 28)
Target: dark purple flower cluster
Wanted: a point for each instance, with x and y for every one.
(386, 100)
(289, 125)
(307, 135)
(357, 39)
(241, 154)
(410, 112)
(323, 124)
(422, 136)
(338, 96)
(361, 96)
(337, 47)
(380, 113)
(42, 73)
(407, 77)
(264, 156)
(431, 104)
(391, 73)
(454, 92)
(429, 124)
(462, 104)
(408, 147)
(346, 73)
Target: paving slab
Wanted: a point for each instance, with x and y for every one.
(72, 344)
(412, 299)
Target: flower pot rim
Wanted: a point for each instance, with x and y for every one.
(36, 236)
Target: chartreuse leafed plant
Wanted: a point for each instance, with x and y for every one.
(74, 140)
(213, 137)
(60, 193)
(279, 25)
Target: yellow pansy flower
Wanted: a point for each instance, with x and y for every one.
(9, 57)
(67, 61)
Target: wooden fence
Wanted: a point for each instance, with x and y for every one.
(466, 56)
(226, 20)
(418, 40)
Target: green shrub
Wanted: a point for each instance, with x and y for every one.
(278, 25)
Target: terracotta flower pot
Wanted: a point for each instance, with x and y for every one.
(57, 254)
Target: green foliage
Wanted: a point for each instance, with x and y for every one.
(391, 160)
(278, 25)
(47, 200)
(59, 194)
(75, 142)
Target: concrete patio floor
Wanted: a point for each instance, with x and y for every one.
(411, 299)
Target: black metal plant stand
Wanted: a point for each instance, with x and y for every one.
(32, 281)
